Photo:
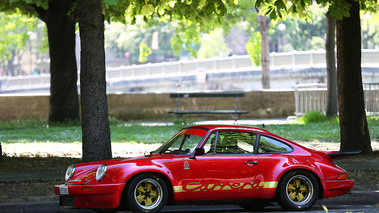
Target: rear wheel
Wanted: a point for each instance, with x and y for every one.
(298, 190)
(146, 193)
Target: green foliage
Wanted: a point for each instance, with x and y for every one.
(187, 36)
(114, 121)
(121, 38)
(370, 30)
(14, 125)
(144, 52)
(277, 9)
(212, 45)
(14, 33)
(253, 48)
(316, 117)
(317, 43)
(339, 9)
(191, 17)
(44, 45)
(300, 32)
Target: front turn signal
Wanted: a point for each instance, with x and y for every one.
(342, 176)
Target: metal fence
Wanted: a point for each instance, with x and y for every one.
(310, 97)
(228, 64)
(371, 95)
(313, 97)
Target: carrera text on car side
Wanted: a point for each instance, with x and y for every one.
(247, 165)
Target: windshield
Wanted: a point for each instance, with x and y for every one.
(184, 142)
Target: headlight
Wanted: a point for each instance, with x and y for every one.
(100, 173)
(69, 173)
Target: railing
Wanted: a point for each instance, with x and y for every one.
(310, 97)
(179, 68)
(313, 97)
(371, 94)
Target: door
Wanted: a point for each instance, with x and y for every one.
(227, 169)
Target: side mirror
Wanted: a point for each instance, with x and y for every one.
(198, 151)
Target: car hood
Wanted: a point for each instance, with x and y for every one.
(119, 170)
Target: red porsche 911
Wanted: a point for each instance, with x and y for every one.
(242, 164)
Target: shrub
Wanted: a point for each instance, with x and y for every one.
(317, 117)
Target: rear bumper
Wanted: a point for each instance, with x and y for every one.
(333, 188)
(102, 196)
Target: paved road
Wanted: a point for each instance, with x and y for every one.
(354, 202)
(52, 207)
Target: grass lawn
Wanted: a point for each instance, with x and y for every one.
(41, 132)
(16, 136)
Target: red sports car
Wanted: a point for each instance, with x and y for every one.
(247, 165)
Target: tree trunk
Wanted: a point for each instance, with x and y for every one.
(10, 66)
(95, 124)
(353, 122)
(330, 43)
(64, 103)
(264, 26)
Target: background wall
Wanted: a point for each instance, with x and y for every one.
(153, 106)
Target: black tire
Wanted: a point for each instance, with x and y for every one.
(146, 193)
(298, 190)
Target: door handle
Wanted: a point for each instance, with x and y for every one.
(252, 162)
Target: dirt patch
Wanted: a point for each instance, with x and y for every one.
(36, 163)
(28, 191)
(365, 180)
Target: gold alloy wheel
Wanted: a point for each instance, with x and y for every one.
(299, 190)
(148, 193)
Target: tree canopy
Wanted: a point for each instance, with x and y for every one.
(15, 31)
(353, 122)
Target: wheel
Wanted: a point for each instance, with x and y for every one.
(298, 190)
(146, 193)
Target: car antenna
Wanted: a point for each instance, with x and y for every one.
(263, 126)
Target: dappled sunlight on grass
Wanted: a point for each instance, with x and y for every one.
(22, 135)
(324, 132)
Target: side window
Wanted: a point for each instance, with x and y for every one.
(210, 144)
(235, 142)
(271, 146)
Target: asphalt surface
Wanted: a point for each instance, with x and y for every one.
(356, 201)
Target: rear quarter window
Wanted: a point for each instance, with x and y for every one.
(269, 145)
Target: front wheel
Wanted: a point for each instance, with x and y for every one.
(146, 193)
(298, 190)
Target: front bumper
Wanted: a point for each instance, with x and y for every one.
(101, 196)
(333, 188)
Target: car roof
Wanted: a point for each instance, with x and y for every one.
(231, 127)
